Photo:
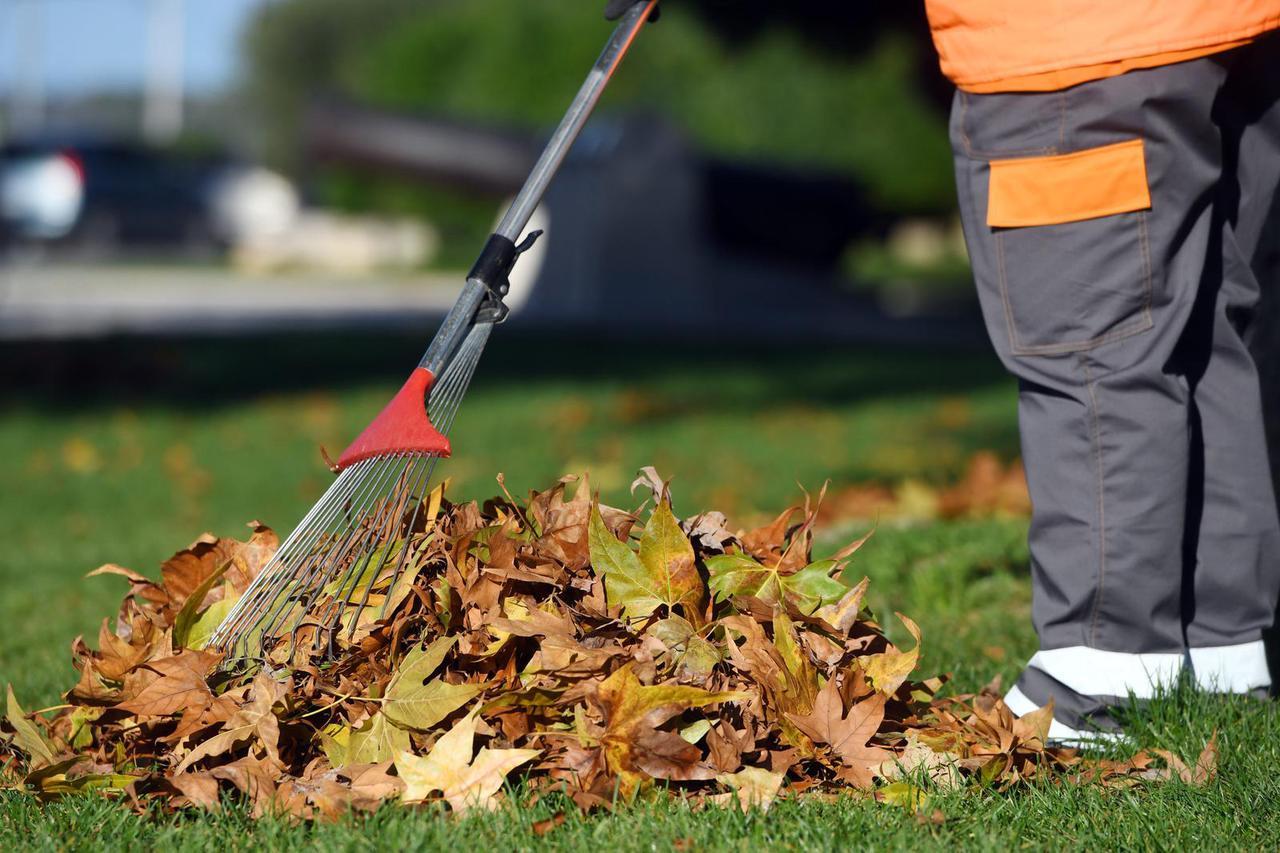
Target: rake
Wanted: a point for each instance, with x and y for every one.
(320, 583)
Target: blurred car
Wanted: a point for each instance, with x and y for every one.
(108, 195)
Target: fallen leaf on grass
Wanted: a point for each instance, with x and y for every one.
(542, 827)
(256, 720)
(25, 735)
(1204, 771)
(848, 734)
(464, 781)
(752, 787)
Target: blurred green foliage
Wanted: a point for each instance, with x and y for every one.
(775, 95)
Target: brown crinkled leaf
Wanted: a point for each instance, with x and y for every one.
(256, 720)
(648, 478)
(542, 827)
(256, 778)
(117, 656)
(708, 530)
(181, 686)
(1204, 771)
(198, 789)
(847, 733)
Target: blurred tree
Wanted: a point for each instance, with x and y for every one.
(294, 49)
(833, 85)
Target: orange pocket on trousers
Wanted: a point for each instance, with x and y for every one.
(1052, 190)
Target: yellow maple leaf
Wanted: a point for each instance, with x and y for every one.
(450, 769)
(888, 670)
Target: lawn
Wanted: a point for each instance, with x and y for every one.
(124, 451)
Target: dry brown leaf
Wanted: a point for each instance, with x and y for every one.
(182, 685)
(848, 735)
(542, 827)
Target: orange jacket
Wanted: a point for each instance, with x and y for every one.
(1043, 45)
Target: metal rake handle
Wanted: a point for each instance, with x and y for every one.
(487, 279)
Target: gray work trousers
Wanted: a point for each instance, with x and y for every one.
(1154, 538)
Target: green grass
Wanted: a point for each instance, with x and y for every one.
(1241, 811)
(123, 452)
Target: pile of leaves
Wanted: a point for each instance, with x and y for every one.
(554, 640)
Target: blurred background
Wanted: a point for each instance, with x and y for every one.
(229, 227)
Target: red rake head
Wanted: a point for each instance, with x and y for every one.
(401, 427)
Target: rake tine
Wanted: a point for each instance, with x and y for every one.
(320, 566)
(254, 596)
(274, 586)
(404, 552)
(378, 535)
(422, 476)
(271, 592)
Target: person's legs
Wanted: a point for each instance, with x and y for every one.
(1234, 531)
(1087, 291)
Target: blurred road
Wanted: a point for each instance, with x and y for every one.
(59, 301)
(68, 301)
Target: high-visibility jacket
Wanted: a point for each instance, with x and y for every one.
(1044, 45)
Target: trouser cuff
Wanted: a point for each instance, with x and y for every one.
(1107, 676)
(1084, 684)
(1241, 668)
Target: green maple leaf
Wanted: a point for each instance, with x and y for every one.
(377, 740)
(412, 704)
(808, 589)
(662, 572)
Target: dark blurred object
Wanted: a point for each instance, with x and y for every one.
(615, 9)
(463, 155)
(805, 217)
(796, 216)
(103, 195)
